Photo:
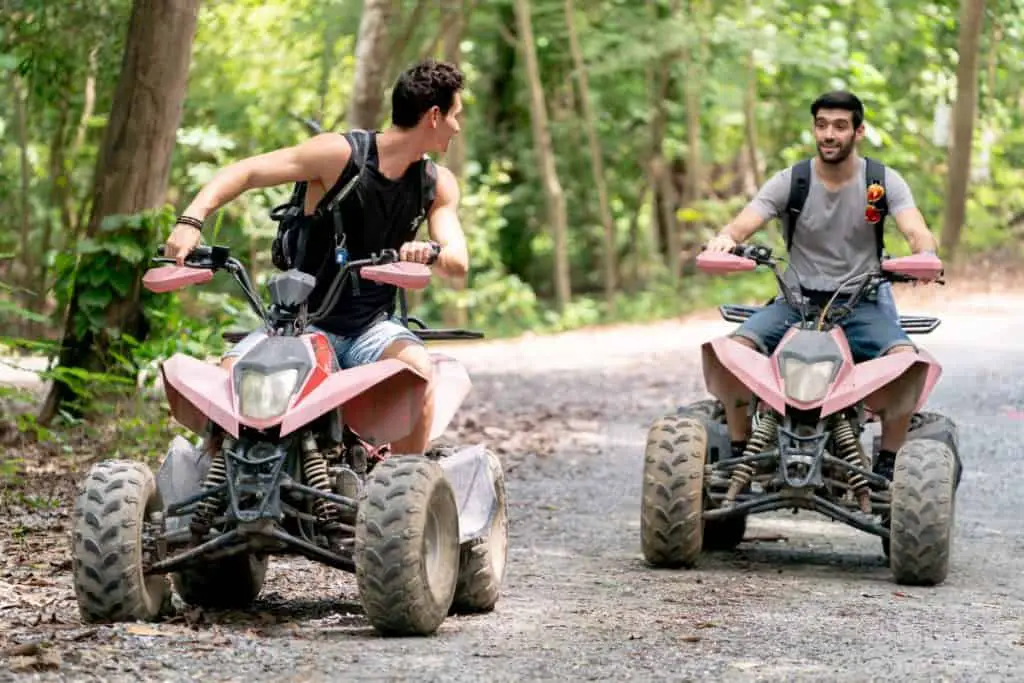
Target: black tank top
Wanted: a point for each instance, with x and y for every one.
(379, 214)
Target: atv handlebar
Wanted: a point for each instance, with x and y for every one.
(219, 258)
(764, 256)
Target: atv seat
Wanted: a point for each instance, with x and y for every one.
(911, 324)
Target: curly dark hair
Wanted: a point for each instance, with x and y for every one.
(424, 85)
(840, 99)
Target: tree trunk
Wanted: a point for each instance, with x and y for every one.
(972, 14)
(59, 198)
(400, 45)
(371, 65)
(25, 167)
(553, 194)
(131, 177)
(750, 121)
(657, 168)
(596, 161)
(454, 314)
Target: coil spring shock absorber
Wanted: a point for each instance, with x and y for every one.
(848, 449)
(202, 520)
(314, 468)
(743, 473)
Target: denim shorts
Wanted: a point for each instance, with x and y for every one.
(872, 328)
(361, 349)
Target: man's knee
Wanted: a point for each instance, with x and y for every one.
(763, 330)
(901, 347)
(746, 341)
(413, 354)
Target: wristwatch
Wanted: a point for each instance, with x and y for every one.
(435, 252)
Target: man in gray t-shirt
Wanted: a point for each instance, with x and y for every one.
(832, 241)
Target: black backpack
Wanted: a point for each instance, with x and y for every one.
(800, 186)
(288, 249)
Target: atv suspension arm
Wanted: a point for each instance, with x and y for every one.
(781, 501)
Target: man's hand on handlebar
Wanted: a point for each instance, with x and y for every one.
(183, 239)
(721, 243)
(420, 252)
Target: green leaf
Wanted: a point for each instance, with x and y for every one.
(127, 250)
(121, 280)
(96, 298)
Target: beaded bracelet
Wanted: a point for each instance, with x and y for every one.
(188, 220)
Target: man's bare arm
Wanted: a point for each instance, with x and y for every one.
(741, 228)
(445, 228)
(911, 223)
(319, 159)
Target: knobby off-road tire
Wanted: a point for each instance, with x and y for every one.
(482, 560)
(671, 523)
(229, 583)
(922, 513)
(719, 534)
(407, 546)
(115, 499)
(710, 409)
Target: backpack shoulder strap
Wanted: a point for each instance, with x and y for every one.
(360, 141)
(428, 184)
(799, 188)
(875, 174)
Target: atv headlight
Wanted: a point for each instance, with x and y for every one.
(807, 381)
(261, 396)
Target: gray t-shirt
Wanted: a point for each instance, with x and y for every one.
(832, 241)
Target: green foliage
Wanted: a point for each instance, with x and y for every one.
(258, 67)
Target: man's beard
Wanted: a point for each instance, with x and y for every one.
(836, 156)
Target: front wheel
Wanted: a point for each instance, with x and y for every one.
(407, 546)
(672, 508)
(922, 513)
(114, 503)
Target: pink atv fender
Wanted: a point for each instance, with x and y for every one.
(451, 386)
(726, 361)
(381, 401)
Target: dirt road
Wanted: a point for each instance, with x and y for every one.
(579, 604)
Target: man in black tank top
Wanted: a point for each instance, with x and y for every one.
(384, 211)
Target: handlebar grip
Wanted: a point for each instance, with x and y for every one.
(198, 254)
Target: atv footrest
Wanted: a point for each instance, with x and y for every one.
(918, 324)
(439, 334)
(445, 334)
(737, 313)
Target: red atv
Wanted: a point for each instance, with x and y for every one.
(296, 461)
(809, 409)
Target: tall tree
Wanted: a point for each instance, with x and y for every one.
(972, 13)
(596, 161)
(131, 177)
(453, 28)
(371, 65)
(553, 193)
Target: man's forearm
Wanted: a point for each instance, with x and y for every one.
(226, 184)
(922, 241)
(452, 262)
(741, 228)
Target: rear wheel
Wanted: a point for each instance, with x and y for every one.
(115, 501)
(922, 513)
(230, 583)
(407, 546)
(671, 523)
